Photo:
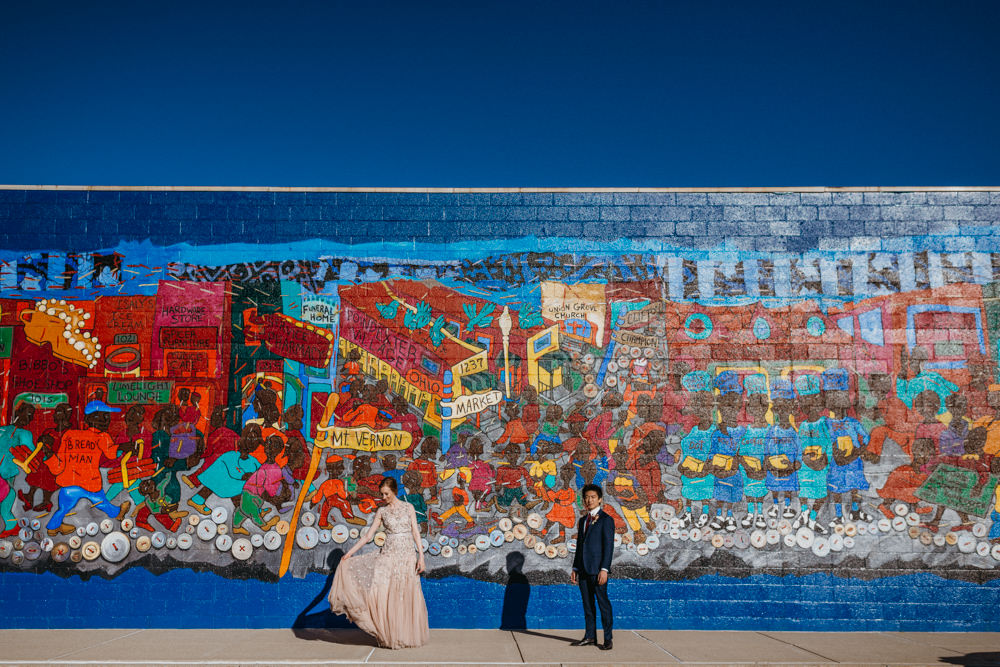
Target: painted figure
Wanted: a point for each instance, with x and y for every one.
(16, 434)
(265, 484)
(76, 467)
(40, 477)
(783, 457)
(226, 475)
(332, 494)
(753, 451)
(817, 451)
(725, 445)
(696, 449)
(846, 475)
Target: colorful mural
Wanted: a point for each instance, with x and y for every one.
(774, 412)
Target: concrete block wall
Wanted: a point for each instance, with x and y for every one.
(765, 221)
(776, 284)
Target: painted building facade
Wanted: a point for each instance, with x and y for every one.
(791, 400)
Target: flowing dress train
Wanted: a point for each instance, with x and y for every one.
(380, 592)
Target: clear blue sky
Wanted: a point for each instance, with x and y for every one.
(500, 94)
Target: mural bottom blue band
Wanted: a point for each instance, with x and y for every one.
(814, 602)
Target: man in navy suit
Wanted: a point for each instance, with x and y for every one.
(595, 544)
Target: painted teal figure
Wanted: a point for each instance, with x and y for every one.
(728, 489)
(753, 451)
(754, 444)
(697, 483)
(816, 443)
(226, 475)
(13, 435)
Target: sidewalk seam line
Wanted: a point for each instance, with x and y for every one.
(106, 641)
(639, 634)
(802, 648)
(513, 635)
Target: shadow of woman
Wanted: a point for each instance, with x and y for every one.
(974, 659)
(513, 615)
(324, 625)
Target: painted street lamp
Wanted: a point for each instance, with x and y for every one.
(505, 324)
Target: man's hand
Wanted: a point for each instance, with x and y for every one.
(572, 577)
(602, 577)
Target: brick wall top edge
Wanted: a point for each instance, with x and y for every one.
(185, 188)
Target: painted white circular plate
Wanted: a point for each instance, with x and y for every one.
(272, 540)
(804, 538)
(223, 542)
(242, 549)
(207, 530)
(91, 550)
(306, 537)
(115, 547)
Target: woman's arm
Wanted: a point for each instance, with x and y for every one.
(367, 536)
(415, 531)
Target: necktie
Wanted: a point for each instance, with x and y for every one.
(590, 521)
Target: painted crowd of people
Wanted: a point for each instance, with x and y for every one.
(727, 450)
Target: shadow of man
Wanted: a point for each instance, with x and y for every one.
(324, 625)
(513, 615)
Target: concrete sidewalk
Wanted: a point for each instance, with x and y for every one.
(496, 647)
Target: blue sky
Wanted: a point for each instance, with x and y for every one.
(542, 94)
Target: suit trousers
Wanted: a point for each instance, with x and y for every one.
(591, 591)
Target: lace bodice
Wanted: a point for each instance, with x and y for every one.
(396, 518)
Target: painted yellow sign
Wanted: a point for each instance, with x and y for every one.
(365, 439)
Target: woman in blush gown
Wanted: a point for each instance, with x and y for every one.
(380, 592)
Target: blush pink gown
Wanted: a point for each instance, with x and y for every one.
(380, 592)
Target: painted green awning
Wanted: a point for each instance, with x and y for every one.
(478, 382)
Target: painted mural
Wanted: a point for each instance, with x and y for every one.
(773, 412)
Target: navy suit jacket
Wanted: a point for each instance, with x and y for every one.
(594, 550)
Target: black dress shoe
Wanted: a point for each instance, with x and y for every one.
(586, 641)
(606, 646)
